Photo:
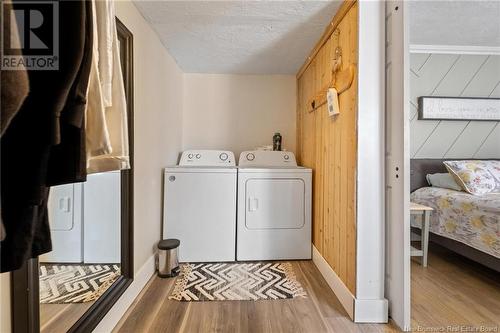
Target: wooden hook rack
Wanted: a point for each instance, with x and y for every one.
(341, 80)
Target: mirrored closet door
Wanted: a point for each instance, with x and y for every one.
(71, 288)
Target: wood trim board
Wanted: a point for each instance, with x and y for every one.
(341, 12)
(127, 176)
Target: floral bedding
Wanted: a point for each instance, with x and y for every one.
(472, 220)
(476, 176)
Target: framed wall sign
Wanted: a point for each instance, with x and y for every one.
(458, 108)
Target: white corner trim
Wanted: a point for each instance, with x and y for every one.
(370, 192)
(108, 323)
(359, 310)
(455, 49)
(338, 287)
(371, 310)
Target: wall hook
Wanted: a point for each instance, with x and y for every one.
(337, 60)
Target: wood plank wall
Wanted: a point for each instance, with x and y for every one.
(328, 145)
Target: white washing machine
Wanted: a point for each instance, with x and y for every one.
(200, 205)
(85, 220)
(274, 207)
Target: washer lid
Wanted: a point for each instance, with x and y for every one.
(296, 170)
(200, 169)
(217, 158)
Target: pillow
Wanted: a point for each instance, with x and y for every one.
(475, 176)
(443, 180)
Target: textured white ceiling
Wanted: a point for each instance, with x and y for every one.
(452, 22)
(241, 37)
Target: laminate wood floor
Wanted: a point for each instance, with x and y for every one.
(454, 291)
(321, 311)
(58, 318)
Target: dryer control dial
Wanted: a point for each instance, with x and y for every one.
(223, 157)
(266, 158)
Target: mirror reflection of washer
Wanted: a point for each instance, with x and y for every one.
(274, 207)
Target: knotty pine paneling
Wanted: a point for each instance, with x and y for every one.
(328, 145)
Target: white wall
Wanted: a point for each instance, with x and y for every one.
(238, 112)
(453, 75)
(5, 324)
(158, 131)
(158, 84)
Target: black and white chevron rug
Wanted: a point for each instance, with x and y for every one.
(61, 283)
(236, 281)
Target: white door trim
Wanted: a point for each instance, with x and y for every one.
(397, 163)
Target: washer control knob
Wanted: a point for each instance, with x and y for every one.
(190, 156)
(223, 156)
(250, 156)
(286, 157)
(198, 156)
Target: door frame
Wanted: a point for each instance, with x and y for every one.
(398, 267)
(25, 281)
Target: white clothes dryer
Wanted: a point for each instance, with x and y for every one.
(200, 205)
(274, 207)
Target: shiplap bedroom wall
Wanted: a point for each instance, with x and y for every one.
(453, 75)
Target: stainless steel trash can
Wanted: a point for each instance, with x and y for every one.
(168, 262)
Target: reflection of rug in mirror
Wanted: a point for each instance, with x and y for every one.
(237, 281)
(63, 283)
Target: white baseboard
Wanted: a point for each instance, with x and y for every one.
(359, 310)
(114, 315)
(340, 290)
(371, 311)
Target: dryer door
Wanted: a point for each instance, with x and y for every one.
(274, 203)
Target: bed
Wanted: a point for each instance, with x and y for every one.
(461, 222)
